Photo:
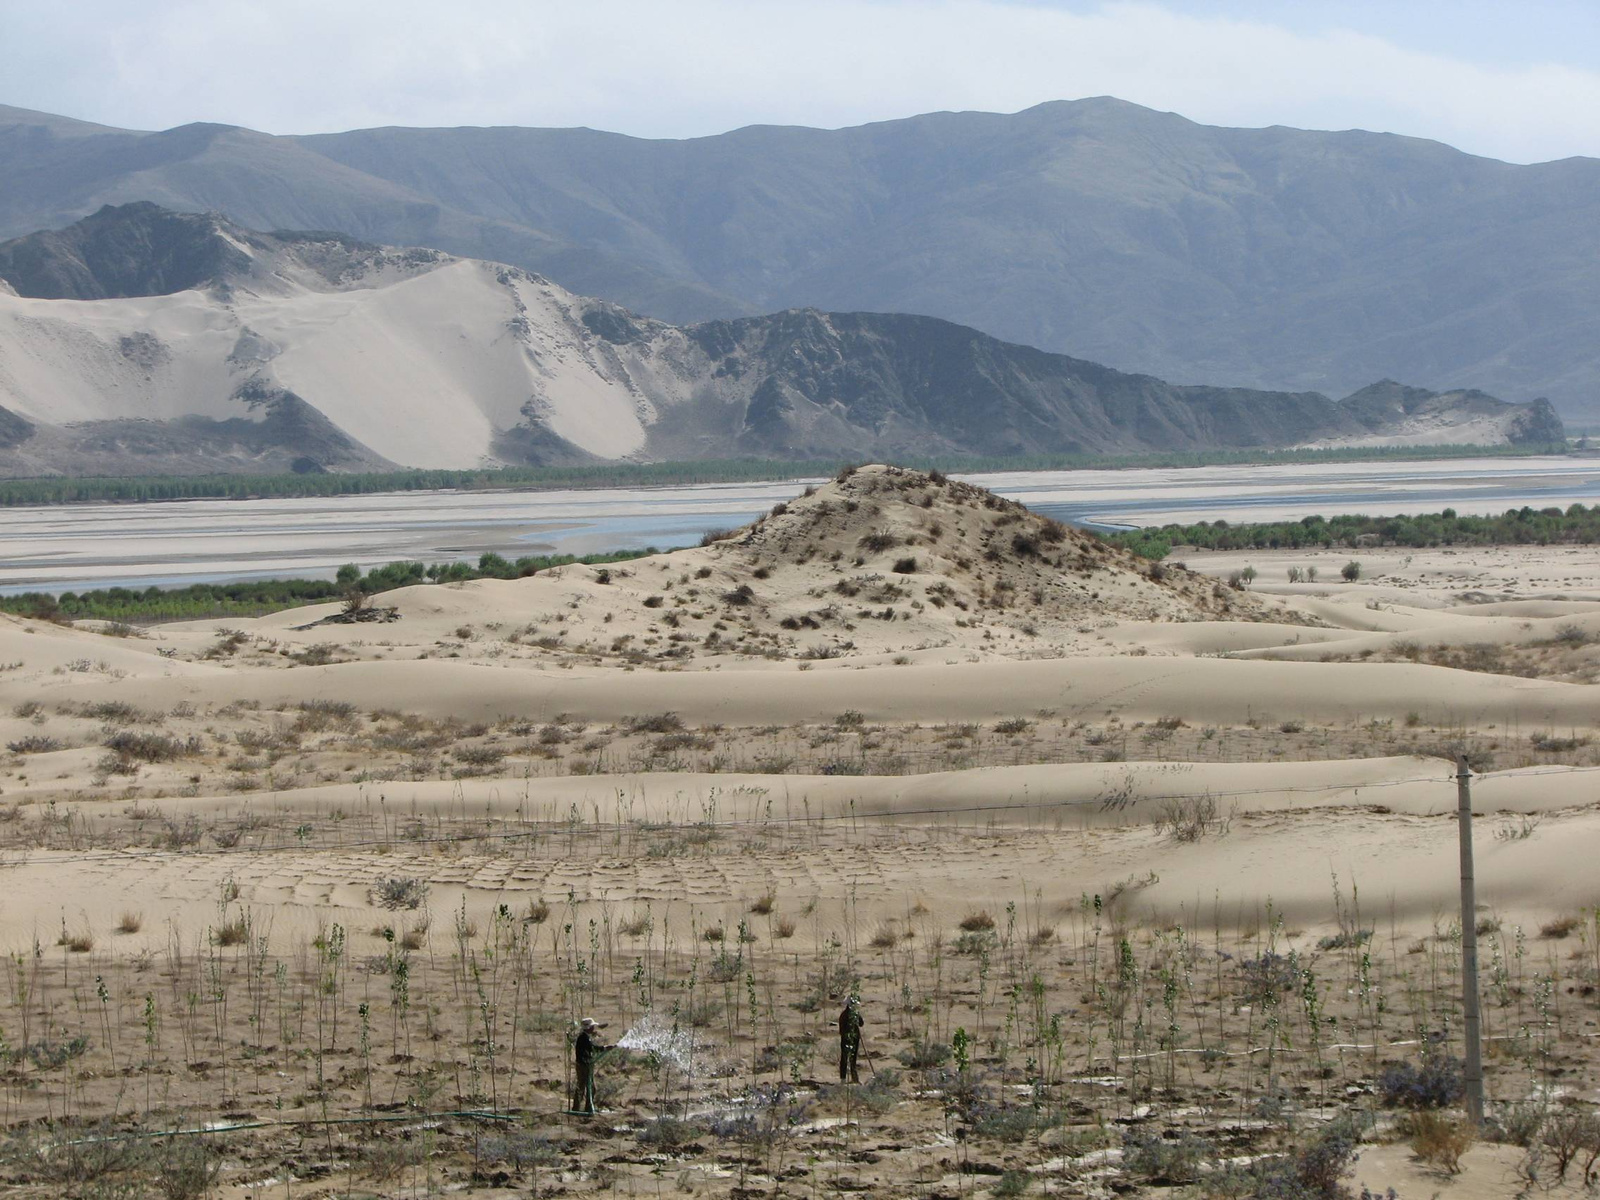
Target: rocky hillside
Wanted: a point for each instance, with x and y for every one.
(881, 564)
(142, 249)
(1276, 258)
(142, 341)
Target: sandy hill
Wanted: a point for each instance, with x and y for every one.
(1279, 257)
(144, 341)
(880, 563)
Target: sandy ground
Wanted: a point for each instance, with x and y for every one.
(900, 737)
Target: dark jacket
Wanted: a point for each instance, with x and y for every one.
(589, 1048)
(850, 1023)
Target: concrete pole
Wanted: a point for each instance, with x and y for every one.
(1473, 1075)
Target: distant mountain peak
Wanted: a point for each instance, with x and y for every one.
(143, 249)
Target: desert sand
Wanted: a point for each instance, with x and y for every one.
(1179, 859)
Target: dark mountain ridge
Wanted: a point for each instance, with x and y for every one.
(1278, 258)
(796, 384)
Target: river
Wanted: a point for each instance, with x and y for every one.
(170, 543)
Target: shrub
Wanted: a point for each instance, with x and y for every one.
(1010, 1124)
(187, 1170)
(33, 744)
(1438, 1140)
(1190, 818)
(712, 536)
(1351, 571)
(1572, 1136)
(399, 891)
(119, 712)
(1345, 939)
(1012, 1183)
(977, 921)
(667, 722)
(878, 541)
(144, 747)
(905, 566)
(1559, 928)
(1434, 1084)
(668, 1133)
(1315, 1173)
(924, 1055)
(1159, 1161)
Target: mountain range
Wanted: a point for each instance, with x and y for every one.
(1276, 258)
(140, 340)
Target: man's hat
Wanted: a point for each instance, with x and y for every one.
(591, 1023)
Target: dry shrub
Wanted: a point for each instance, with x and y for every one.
(145, 747)
(667, 722)
(1573, 1136)
(715, 934)
(80, 943)
(978, 921)
(131, 922)
(399, 892)
(232, 933)
(884, 937)
(1190, 818)
(635, 925)
(415, 936)
(538, 912)
(1438, 1140)
(1559, 928)
(784, 928)
(763, 904)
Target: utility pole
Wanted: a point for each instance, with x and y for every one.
(1473, 1075)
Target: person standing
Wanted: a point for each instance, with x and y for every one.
(586, 1051)
(850, 1023)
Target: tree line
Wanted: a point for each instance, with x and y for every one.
(253, 597)
(1578, 524)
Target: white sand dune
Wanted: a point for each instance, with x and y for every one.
(999, 616)
(1214, 690)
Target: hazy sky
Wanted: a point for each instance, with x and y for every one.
(1518, 79)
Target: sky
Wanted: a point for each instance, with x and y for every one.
(1517, 79)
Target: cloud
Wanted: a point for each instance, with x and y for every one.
(691, 67)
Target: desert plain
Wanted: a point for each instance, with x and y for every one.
(1146, 875)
